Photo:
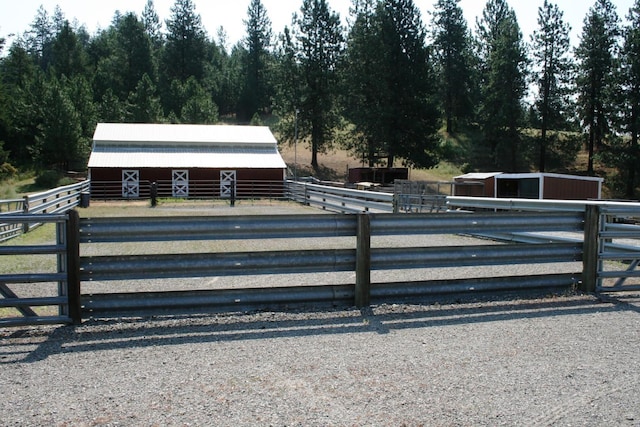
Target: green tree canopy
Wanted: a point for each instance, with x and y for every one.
(319, 48)
(596, 58)
(503, 83)
(553, 67)
(452, 44)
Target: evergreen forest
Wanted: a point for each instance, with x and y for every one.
(393, 86)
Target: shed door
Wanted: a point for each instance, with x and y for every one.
(180, 183)
(130, 183)
(227, 184)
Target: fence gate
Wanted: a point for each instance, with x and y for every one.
(227, 184)
(619, 249)
(130, 183)
(180, 183)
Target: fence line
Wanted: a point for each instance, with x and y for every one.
(608, 250)
(342, 200)
(361, 259)
(57, 200)
(39, 280)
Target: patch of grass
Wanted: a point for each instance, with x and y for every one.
(17, 187)
(18, 264)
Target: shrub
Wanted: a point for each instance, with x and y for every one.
(7, 170)
(48, 179)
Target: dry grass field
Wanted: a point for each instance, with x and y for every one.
(335, 164)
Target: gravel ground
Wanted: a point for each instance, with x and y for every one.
(552, 360)
(568, 360)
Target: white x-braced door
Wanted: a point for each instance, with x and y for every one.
(227, 184)
(180, 183)
(130, 184)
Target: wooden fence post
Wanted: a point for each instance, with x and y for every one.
(590, 248)
(363, 261)
(73, 266)
(25, 210)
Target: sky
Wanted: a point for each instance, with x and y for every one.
(17, 16)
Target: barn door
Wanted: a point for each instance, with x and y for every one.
(227, 184)
(130, 183)
(180, 183)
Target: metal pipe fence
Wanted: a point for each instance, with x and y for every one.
(361, 258)
(342, 200)
(193, 189)
(618, 246)
(57, 200)
(38, 285)
(603, 259)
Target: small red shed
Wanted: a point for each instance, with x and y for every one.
(475, 184)
(533, 185)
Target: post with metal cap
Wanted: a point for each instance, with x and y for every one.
(590, 248)
(363, 261)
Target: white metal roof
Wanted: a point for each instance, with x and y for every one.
(548, 174)
(135, 145)
(477, 175)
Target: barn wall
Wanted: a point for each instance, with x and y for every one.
(570, 188)
(106, 183)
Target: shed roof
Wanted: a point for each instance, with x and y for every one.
(476, 175)
(141, 145)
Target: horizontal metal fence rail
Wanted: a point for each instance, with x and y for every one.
(196, 189)
(362, 258)
(11, 206)
(147, 229)
(540, 205)
(342, 200)
(10, 230)
(619, 248)
(57, 200)
(25, 306)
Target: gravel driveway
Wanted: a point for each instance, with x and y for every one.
(568, 360)
(551, 360)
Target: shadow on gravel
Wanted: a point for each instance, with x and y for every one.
(32, 345)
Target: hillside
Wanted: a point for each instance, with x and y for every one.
(334, 165)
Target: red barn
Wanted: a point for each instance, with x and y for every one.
(185, 161)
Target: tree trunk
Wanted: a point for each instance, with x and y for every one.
(590, 148)
(633, 155)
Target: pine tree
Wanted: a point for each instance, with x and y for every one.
(185, 47)
(631, 92)
(410, 118)
(198, 108)
(68, 55)
(287, 80)
(550, 50)
(596, 64)
(152, 24)
(143, 103)
(319, 48)
(503, 85)
(362, 83)
(39, 38)
(452, 48)
(256, 95)
(58, 143)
